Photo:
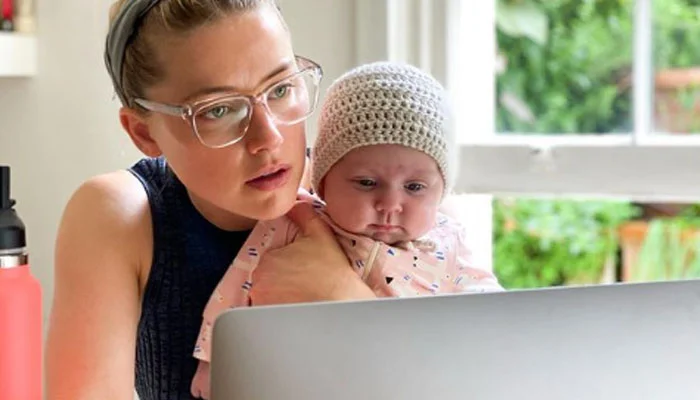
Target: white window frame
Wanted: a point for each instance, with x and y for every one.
(641, 165)
(456, 41)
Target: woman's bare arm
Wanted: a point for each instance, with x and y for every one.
(103, 253)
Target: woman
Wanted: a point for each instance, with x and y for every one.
(214, 88)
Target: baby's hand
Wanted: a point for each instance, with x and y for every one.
(201, 381)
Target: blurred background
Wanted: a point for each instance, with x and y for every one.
(544, 71)
(565, 67)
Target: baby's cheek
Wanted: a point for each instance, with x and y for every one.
(350, 216)
(423, 220)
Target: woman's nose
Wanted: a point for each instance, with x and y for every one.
(263, 134)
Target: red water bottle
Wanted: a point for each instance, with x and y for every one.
(6, 16)
(20, 307)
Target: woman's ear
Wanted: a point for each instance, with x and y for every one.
(136, 127)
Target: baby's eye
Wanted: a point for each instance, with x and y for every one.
(366, 183)
(415, 187)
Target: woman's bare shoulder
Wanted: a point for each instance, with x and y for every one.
(102, 258)
(110, 211)
(118, 190)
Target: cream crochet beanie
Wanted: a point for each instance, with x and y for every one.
(384, 103)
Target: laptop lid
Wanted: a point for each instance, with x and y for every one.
(627, 341)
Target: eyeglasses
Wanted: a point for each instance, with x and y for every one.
(224, 120)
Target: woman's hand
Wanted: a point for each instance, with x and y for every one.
(312, 268)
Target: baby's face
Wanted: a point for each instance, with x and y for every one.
(390, 193)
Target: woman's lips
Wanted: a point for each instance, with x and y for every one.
(270, 179)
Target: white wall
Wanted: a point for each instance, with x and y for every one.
(61, 127)
(324, 31)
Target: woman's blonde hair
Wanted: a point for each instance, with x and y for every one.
(140, 68)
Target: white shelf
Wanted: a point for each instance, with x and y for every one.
(18, 55)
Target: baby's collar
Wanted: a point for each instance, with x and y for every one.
(422, 245)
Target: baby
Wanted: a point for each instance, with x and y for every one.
(381, 166)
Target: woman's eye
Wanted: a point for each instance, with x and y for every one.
(415, 187)
(280, 91)
(217, 112)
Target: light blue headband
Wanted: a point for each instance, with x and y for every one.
(123, 28)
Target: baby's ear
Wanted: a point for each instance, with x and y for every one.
(306, 178)
(321, 184)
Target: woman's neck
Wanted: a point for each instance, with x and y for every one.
(221, 218)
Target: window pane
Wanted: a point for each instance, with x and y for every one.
(564, 66)
(676, 38)
(542, 242)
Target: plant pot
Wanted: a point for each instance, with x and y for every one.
(606, 276)
(632, 239)
(677, 100)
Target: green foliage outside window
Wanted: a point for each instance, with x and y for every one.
(676, 33)
(540, 243)
(569, 62)
(569, 76)
(567, 70)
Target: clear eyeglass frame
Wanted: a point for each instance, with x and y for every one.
(307, 69)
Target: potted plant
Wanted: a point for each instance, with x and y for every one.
(677, 61)
(540, 243)
(664, 248)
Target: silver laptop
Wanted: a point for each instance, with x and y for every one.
(631, 341)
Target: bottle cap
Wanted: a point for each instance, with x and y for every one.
(12, 231)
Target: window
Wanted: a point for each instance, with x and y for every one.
(580, 117)
(578, 128)
(578, 108)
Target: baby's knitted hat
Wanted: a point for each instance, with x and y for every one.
(383, 103)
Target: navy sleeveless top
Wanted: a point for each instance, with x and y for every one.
(190, 256)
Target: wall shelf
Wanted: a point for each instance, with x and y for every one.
(18, 55)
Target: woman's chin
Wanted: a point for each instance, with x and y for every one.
(273, 206)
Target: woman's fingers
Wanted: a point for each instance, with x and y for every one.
(309, 221)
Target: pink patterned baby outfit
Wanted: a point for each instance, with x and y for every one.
(437, 263)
